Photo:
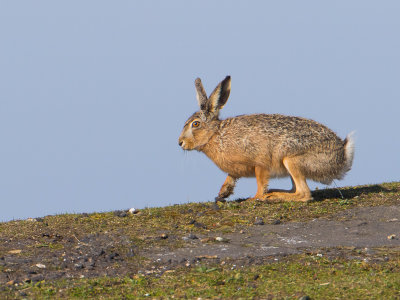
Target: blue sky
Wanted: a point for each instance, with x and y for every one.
(94, 94)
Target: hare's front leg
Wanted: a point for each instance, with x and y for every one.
(227, 188)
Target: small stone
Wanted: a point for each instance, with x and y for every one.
(305, 298)
(78, 266)
(133, 210)
(31, 220)
(391, 237)
(41, 266)
(276, 222)
(208, 240)
(259, 221)
(164, 236)
(27, 280)
(16, 251)
(120, 213)
(11, 282)
(221, 239)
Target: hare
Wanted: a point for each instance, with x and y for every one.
(265, 146)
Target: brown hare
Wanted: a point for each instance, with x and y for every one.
(265, 146)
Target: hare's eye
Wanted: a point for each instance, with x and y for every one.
(196, 124)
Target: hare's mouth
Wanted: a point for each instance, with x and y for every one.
(185, 146)
(182, 144)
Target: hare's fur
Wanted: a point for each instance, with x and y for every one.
(265, 146)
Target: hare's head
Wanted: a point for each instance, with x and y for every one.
(202, 125)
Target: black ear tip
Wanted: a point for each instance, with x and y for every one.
(228, 77)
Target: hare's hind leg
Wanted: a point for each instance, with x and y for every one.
(300, 190)
(227, 188)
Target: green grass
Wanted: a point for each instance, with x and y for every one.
(301, 275)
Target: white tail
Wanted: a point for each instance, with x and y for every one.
(348, 152)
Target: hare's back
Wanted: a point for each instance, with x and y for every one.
(291, 133)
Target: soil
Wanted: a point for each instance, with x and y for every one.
(357, 233)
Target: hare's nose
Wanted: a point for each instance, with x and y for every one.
(180, 143)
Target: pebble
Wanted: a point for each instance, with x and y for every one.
(164, 236)
(41, 266)
(207, 240)
(17, 251)
(259, 221)
(276, 222)
(133, 210)
(120, 213)
(221, 239)
(391, 237)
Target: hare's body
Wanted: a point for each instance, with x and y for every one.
(266, 146)
(244, 142)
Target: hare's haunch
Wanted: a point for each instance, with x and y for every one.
(265, 146)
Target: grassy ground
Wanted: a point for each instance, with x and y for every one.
(300, 275)
(293, 277)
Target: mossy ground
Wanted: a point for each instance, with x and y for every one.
(51, 238)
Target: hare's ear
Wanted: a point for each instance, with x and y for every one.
(200, 94)
(220, 95)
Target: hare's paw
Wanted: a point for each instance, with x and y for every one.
(260, 197)
(281, 196)
(218, 199)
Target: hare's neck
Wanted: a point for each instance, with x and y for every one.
(213, 148)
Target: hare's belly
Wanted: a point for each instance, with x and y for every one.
(238, 170)
(245, 167)
(236, 166)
